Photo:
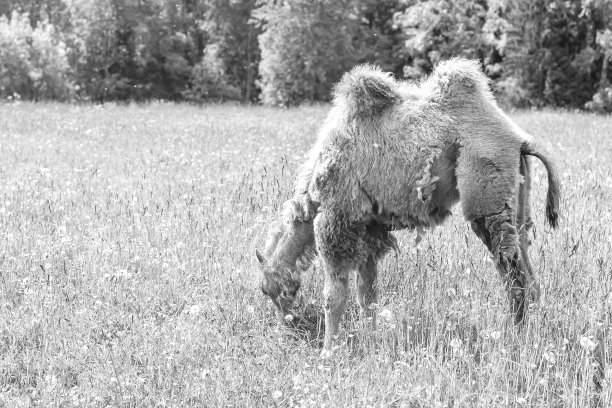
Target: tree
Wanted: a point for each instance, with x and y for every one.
(547, 52)
(233, 33)
(600, 11)
(380, 40)
(33, 60)
(306, 46)
(439, 29)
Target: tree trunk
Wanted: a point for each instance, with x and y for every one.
(249, 68)
(603, 81)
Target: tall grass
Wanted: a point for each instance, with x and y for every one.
(128, 276)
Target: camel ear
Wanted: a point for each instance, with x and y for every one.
(260, 257)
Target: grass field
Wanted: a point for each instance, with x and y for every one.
(128, 276)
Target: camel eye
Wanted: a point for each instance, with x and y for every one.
(263, 290)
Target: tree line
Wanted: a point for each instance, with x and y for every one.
(284, 52)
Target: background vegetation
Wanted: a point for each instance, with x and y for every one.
(128, 276)
(283, 52)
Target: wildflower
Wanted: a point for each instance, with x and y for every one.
(587, 343)
(289, 318)
(495, 335)
(195, 309)
(277, 395)
(386, 315)
(550, 357)
(297, 381)
(456, 344)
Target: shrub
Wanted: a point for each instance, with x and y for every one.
(439, 29)
(209, 79)
(305, 48)
(33, 61)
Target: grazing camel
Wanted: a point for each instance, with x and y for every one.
(397, 155)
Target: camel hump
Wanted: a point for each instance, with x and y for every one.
(366, 90)
(460, 77)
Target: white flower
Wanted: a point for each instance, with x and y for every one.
(277, 395)
(588, 343)
(297, 380)
(495, 335)
(386, 315)
(289, 318)
(195, 309)
(550, 357)
(456, 344)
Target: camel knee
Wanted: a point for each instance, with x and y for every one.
(335, 296)
(501, 237)
(335, 292)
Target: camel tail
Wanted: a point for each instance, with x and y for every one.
(366, 91)
(554, 186)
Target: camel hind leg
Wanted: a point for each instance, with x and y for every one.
(524, 225)
(490, 193)
(500, 235)
(367, 294)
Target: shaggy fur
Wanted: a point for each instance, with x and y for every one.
(394, 155)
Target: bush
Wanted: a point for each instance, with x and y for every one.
(546, 48)
(209, 79)
(601, 102)
(305, 48)
(439, 29)
(33, 61)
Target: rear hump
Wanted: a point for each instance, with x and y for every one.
(366, 91)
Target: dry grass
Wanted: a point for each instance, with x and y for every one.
(127, 275)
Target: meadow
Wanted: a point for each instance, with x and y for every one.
(128, 276)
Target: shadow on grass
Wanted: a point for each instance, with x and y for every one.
(308, 326)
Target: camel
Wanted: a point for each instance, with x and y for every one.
(395, 155)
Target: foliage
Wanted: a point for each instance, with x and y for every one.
(209, 79)
(33, 61)
(284, 52)
(379, 39)
(305, 47)
(95, 51)
(234, 35)
(439, 29)
(547, 50)
(601, 10)
(130, 49)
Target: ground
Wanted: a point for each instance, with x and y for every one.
(128, 276)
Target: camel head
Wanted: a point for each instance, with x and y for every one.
(289, 249)
(280, 282)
